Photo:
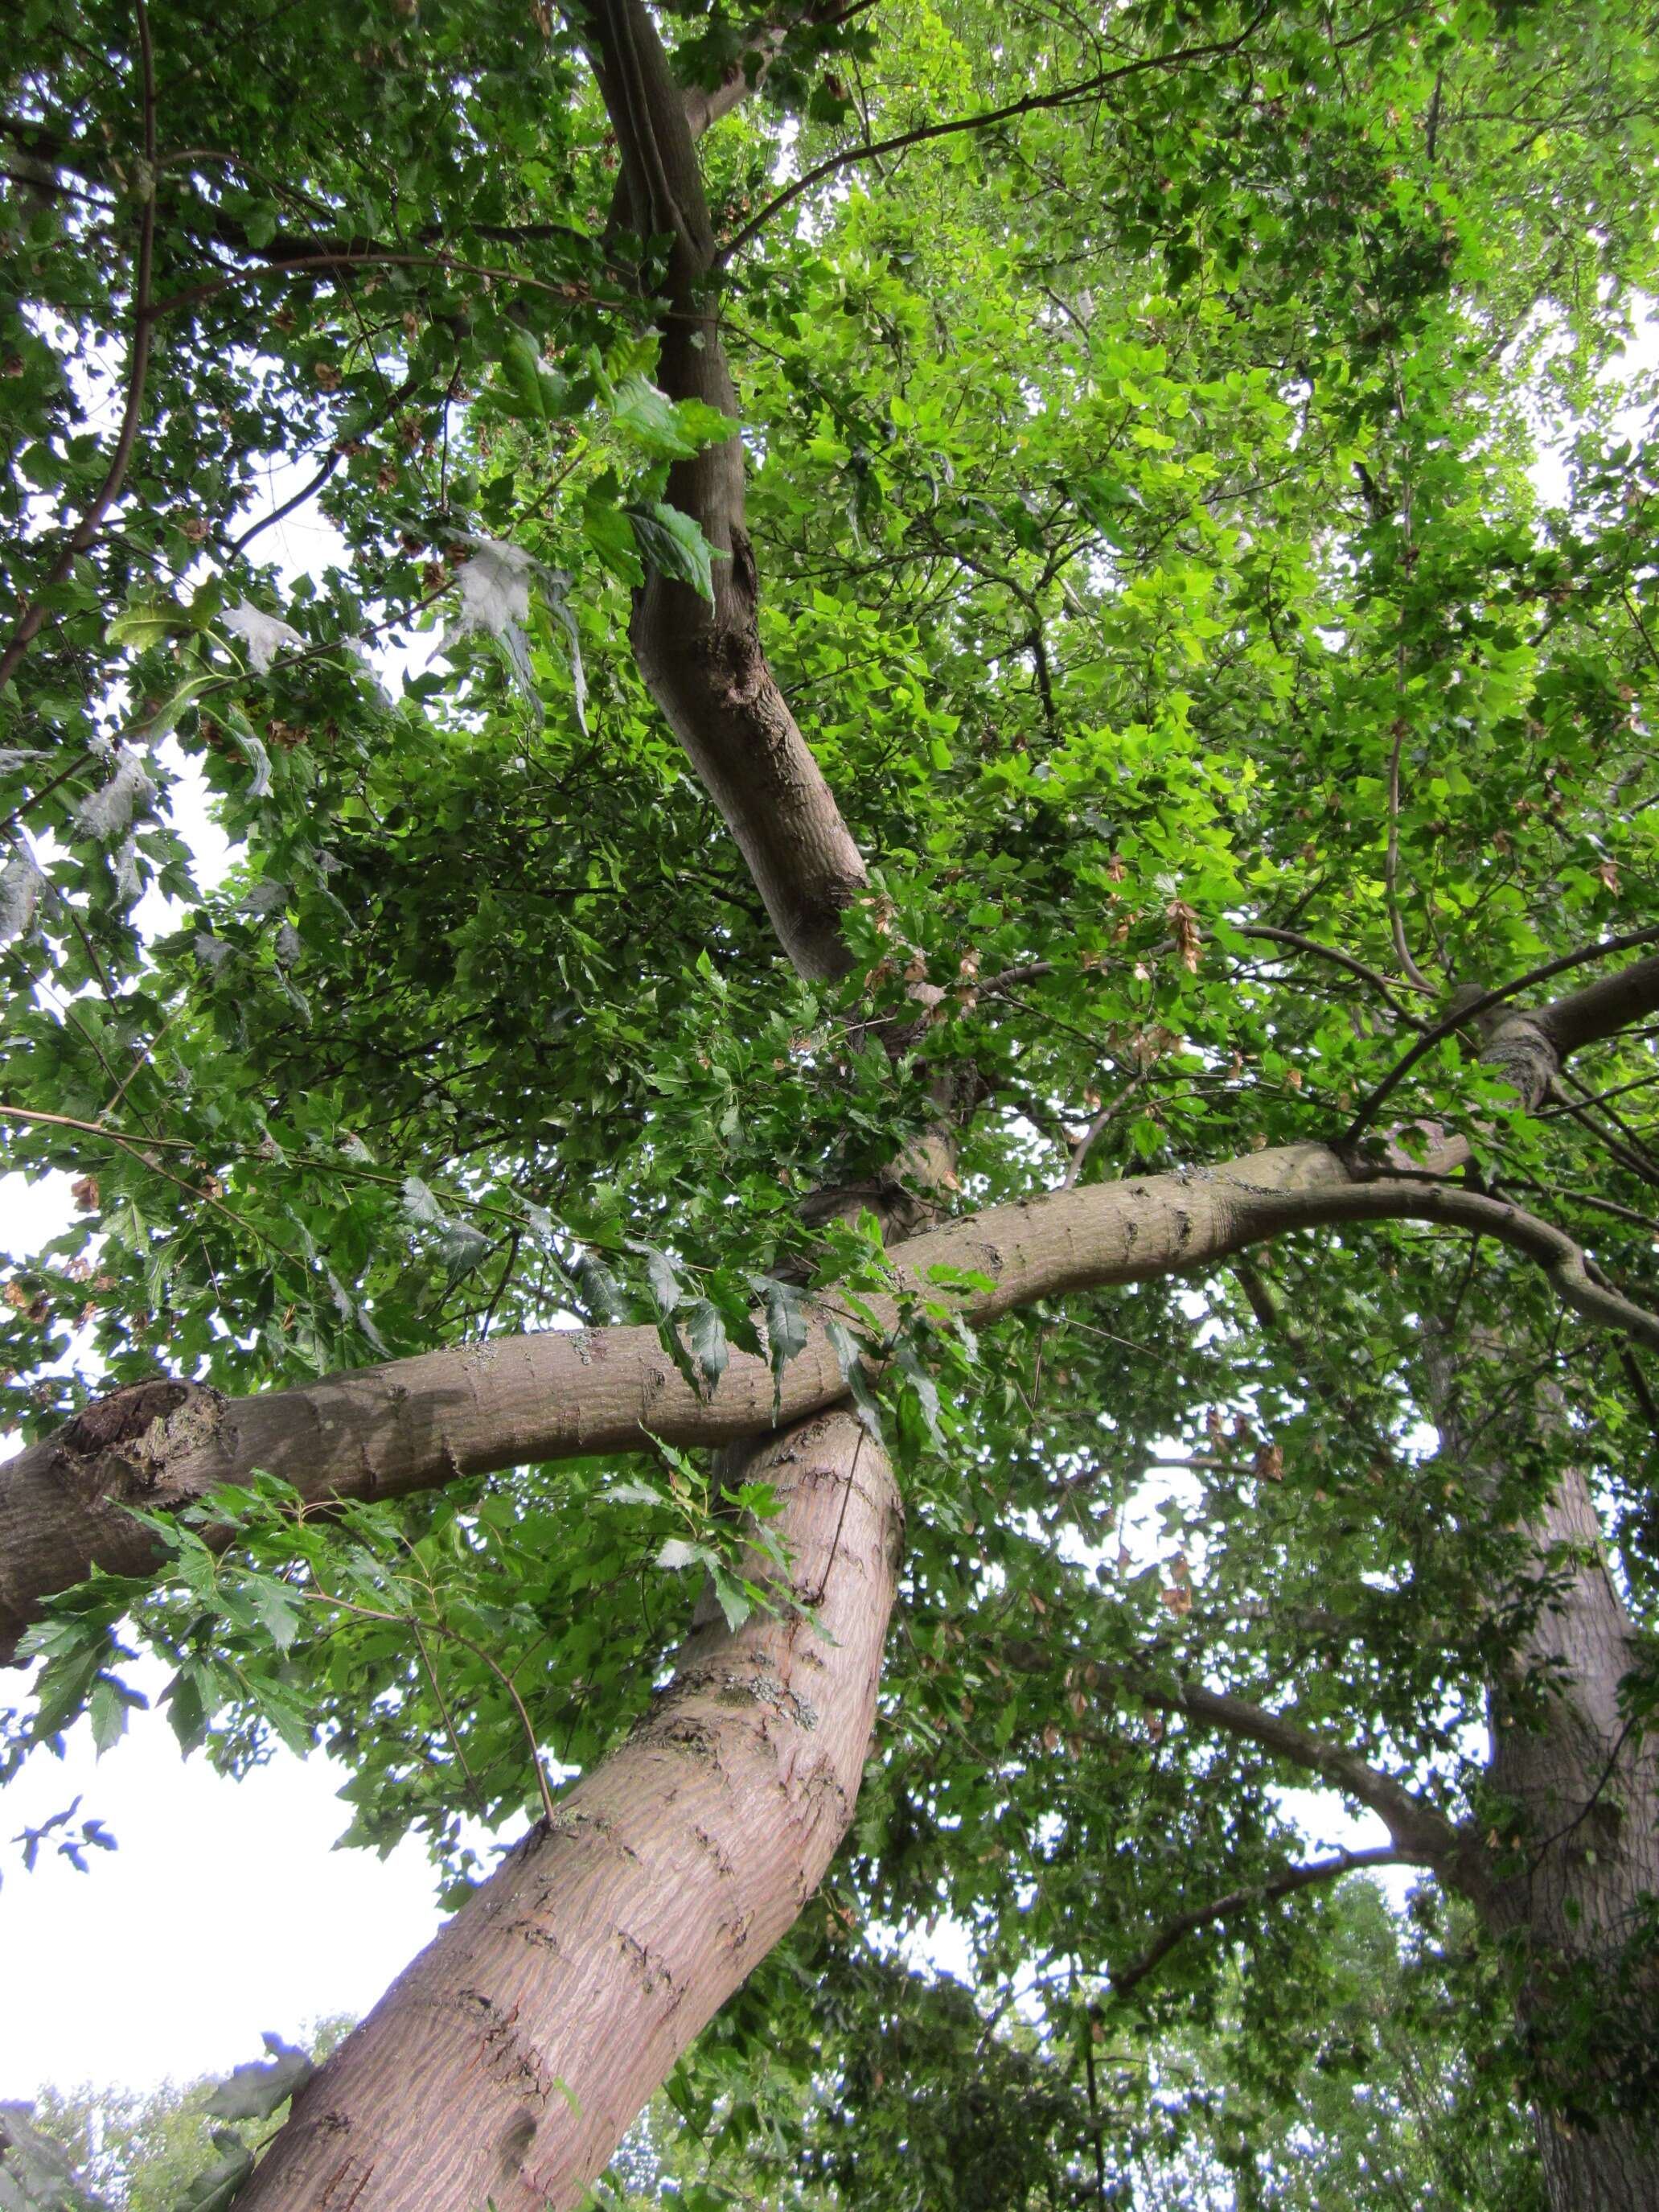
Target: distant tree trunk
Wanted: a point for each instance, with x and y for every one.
(1567, 1900)
(505, 2063)
(1587, 1791)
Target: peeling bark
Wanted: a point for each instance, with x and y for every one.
(542, 2018)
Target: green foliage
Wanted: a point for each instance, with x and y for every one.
(174, 2148)
(1140, 490)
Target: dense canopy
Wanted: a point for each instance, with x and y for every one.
(976, 746)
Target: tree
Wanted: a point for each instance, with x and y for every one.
(1381, 2106)
(1164, 962)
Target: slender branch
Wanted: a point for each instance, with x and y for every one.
(33, 613)
(1125, 1978)
(1583, 1017)
(1409, 967)
(1064, 96)
(444, 1715)
(1379, 982)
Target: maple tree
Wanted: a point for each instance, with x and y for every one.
(932, 1166)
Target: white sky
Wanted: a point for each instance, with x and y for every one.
(226, 1911)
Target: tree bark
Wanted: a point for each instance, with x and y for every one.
(1566, 1887)
(1584, 1786)
(702, 660)
(412, 1424)
(543, 2017)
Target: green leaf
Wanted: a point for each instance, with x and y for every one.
(609, 530)
(786, 1328)
(666, 431)
(706, 1334)
(672, 543)
(147, 622)
(849, 1357)
(107, 1709)
(668, 1291)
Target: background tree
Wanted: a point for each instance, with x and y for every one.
(1200, 798)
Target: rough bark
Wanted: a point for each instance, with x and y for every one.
(702, 660)
(1585, 1788)
(542, 2018)
(1577, 1789)
(412, 1424)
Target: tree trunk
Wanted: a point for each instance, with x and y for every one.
(505, 2065)
(1578, 1851)
(1586, 1792)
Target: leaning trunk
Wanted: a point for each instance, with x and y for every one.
(504, 2066)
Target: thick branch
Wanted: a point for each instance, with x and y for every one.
(413, 1424)
(702, 661)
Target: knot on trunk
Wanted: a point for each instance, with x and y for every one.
(131, 1436)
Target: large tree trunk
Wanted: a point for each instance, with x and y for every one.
(505, 2063)
(1586, 1791)
(1578, 1799)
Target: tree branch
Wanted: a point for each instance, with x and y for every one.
(1063, 96)
(702, 661)
(1421, 1834)
(34, 612)
(1564, 1027)
(1125, 1978)
(417, 1424)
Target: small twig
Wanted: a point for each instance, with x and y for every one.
(321, 1597)
(1107, 1113)
(1379, 982)
(449, 1726)
(1409, 967)
(1124, 1979)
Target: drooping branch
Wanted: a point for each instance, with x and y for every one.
(412, 1424)
(1252, 1895)
(1036, 103)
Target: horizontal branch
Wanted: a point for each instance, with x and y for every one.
(1288, 1884)
(413, 1424)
